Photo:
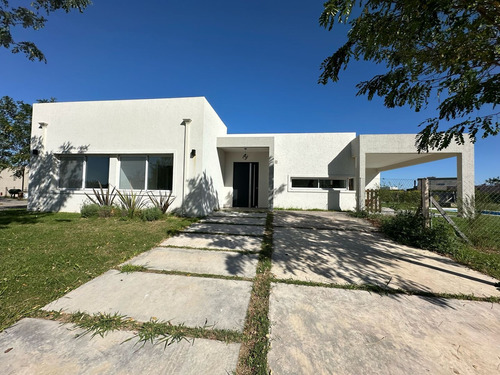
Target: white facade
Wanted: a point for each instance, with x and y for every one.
(183, 146)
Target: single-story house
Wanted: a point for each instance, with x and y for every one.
(181, 145)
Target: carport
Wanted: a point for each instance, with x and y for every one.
(375, 153)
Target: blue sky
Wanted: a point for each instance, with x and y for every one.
(256, 62)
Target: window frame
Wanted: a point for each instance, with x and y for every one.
(146, 170)
(60, 157)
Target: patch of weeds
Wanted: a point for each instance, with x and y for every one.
(159, 332)
(407, 227)
(128, 268)
(253, 355)
(98, 324)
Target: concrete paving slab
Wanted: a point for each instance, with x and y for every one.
(45, 347)
(179, 299)
(239, 214)
(321, 220)
(348, 257)
(247, 230)
(235, 220)
(198, 261)
(332, 331)
(215, 241)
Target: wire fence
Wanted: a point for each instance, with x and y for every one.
(476, 214)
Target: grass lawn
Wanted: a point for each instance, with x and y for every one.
(45, 255)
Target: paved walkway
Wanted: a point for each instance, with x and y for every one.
(203, 278)
(6, 203)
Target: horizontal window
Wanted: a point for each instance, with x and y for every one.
(318, 183)
(77, 172)
(153, 172)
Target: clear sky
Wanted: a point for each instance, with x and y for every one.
(257, 63)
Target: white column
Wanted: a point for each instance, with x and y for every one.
(360, 180)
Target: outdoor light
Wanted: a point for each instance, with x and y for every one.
(245, 156)
(193, 153)
(42, 125)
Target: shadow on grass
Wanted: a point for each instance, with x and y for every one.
(21, 216)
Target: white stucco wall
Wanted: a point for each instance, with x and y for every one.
(115, 128)
(319, 155)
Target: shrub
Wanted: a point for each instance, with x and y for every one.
(151, 214)
(162, 201)
(131, 202)
(101, 197)
(105, 211)
(407, 227)
(90, 210)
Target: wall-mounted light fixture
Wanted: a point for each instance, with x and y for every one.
(41, 125)
(245, 156)
(192, 154)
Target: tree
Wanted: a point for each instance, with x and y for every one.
(493, 181)
(15, 134)
(443, 49)
(31, 16)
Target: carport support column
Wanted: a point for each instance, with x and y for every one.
(360, 181)
(465, 177)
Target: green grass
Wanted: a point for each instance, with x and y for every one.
(483, 231)
(253, 354)
(45, 255)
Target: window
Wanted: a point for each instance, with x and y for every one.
(160, 172)
(153, 172)
(74, 170)
(71, 172)
(304, 183)
(97, 172)
(331, 184)
(318, 183)
(132, 172)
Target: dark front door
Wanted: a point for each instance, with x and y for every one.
(245, 184)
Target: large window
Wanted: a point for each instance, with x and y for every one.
(318, 183)
(97, 172)
(132, 172)
(154, 172)
(78, 171)
(71, 172)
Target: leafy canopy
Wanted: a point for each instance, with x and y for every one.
(30, 16)
(444, 49)
(15, 133)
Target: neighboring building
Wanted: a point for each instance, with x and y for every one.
(8, 181)
(181, 145)
(443, 189)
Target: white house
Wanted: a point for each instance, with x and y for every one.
(181, 145)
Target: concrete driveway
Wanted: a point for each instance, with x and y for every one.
(320, 322)
(332, 329)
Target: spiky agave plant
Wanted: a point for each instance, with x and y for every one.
(103, 197)
(162, 201)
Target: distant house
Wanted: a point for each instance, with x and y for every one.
(444, 189)
(9, 181)
(181, 145)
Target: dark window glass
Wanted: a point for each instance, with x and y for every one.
(160, 172)
(332, 184)
(97, 171)
(71, 172)
(132, 172)
(304, 183)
